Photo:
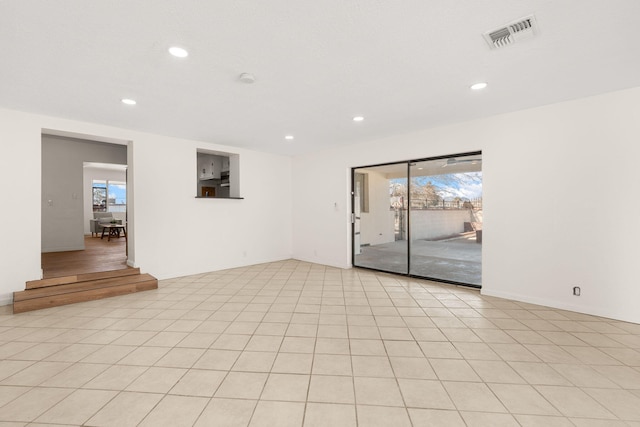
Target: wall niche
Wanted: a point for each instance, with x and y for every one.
(217, 175)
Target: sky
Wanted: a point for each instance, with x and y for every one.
(464, 185)
(116, 190)
(449, 186)
(120, 192)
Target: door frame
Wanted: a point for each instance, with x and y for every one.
(130, 214)
(353, 218)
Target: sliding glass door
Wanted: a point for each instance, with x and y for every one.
(422, 218)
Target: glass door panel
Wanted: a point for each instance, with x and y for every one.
(445, 218)
(380, 229)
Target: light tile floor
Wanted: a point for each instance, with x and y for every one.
(297, 344)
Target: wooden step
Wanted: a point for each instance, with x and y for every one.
(69, 293)
(55, 281)
(80, 286)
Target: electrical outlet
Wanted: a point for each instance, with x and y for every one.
(576, 291)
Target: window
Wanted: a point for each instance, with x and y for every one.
(109, 196)
(99, 196)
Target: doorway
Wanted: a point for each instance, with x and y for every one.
(75, 173)
(420, 218)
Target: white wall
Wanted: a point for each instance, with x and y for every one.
(569, 157)
(573, 156)
(20, 172)
(177, 234)
(174, 233)
(376, 226)
(91, 173)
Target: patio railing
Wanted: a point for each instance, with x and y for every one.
(417, 203)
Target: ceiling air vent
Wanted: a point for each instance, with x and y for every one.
(521, 29)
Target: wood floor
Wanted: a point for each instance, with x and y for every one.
(99, 271)
(98, 255)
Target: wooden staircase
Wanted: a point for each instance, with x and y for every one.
(57, 291)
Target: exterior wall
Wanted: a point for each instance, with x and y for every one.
(432, 223)
(376, 226)
(565, 155)
(174, 233)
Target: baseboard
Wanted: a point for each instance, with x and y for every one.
(593, 311)
(184, 273)
(6, 299)
(320, 262)
(63, 249)
(131, 264)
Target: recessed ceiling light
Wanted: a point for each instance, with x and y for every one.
(178, 52)
(478, 86)
(358, 118)
(128, 101)
(288, 137)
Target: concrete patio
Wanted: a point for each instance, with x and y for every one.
(458, 260)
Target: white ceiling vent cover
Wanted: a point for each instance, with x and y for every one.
(523, 28)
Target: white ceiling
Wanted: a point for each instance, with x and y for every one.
(404, 65)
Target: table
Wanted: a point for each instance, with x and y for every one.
(112, 230)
